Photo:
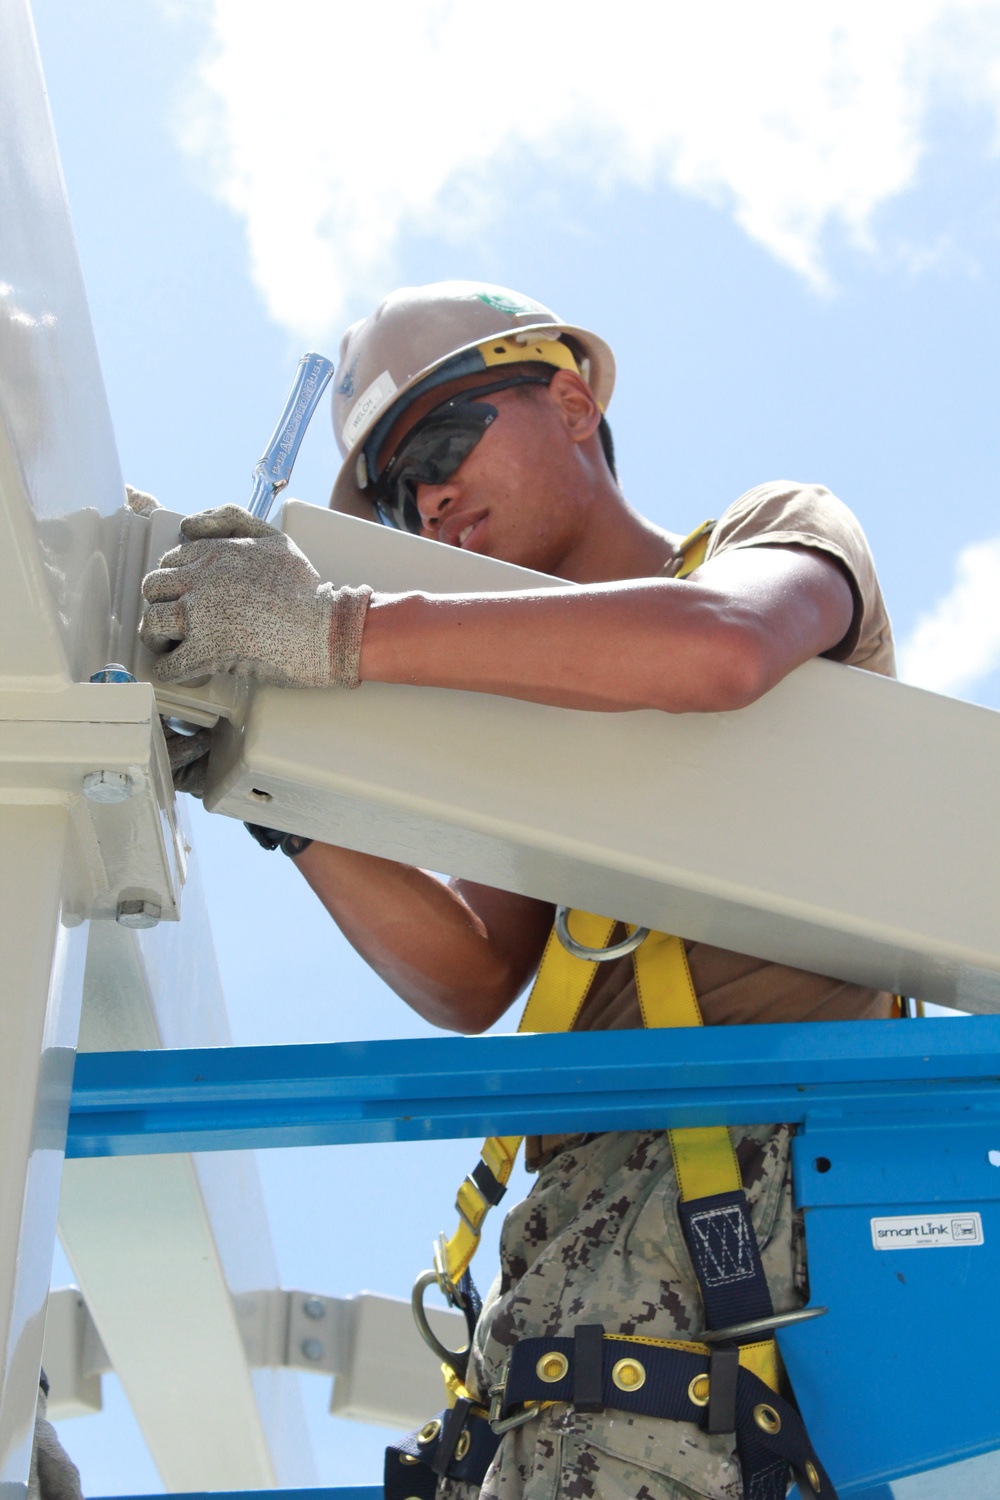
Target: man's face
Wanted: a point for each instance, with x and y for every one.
(517, 494)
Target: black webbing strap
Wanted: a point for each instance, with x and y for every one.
(489, 1185)
(411, 1464)
(470, 1304)
(588, 1367)
(723, 1375)
(451, 1431)
(723, 1246)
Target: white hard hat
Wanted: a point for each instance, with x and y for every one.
(422, 336)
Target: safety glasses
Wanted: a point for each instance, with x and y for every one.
(433, 449)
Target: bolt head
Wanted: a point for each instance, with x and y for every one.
(138, 914)
(107, 786)
(314, 1307)
(113, 672)
(312, 1349)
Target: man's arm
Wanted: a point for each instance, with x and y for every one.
(459, 954)
(718, 640)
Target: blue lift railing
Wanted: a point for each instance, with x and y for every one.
(229, 1098)
(897, 1121)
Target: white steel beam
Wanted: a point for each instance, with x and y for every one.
(41, 959)
(382, 1370)
(161, 1248)
(73, 1356)
(87, 823)
(825, 826)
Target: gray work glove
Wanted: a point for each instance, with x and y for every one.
(54, 1475)
(141, 503)
(239, 597)
(188, 759)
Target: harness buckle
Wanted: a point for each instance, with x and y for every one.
(498, 1422)
(441, 1275)
(473, 1226)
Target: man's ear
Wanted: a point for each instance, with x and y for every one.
(575, 403)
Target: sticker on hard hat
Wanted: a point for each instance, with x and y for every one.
(927, 1232)
(507, 303)
(367, 406)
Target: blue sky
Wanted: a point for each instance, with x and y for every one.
(788, 232)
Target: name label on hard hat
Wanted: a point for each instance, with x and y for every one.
(927, 1232)
(367, 407)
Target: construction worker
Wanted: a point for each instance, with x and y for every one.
(473, 416)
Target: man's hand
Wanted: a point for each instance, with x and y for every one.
(237, 596)
(54, 1475)
(141, 503)
(188, 759)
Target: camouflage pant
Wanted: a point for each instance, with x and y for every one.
(598, 1240)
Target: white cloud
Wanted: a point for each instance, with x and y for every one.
(957, 643)
(333, 128)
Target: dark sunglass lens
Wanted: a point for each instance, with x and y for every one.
(429, 455)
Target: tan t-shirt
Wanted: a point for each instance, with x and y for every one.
(732, 988)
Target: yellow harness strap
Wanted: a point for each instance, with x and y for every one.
(556, 998)
(557, 995)
(694, 547)
(704, 1158)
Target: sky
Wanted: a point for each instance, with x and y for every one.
(783, 218)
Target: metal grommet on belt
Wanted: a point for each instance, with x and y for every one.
(767, 1418)
(812, 1474)
(552, 1367)
(699, 1390)
(595, 955)
(429, 1431)
(628, 1374)
(463, 1445)
(408, 1458)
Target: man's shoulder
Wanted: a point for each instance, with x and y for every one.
(788, 513)
(784, 504)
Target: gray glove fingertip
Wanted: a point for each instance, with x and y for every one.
(181, 665)
(160, 586)
(140, 502)
(163, 624)
(185, 749)
(191, 778)
(187, 554)
(224, 521)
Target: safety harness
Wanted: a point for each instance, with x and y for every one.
(730, 1382)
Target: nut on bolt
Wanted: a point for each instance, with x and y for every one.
(107, 786)
(138, 914)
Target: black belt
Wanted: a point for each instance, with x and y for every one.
(593, 1371)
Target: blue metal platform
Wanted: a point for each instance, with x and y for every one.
(897, 1120)
(226, 1098)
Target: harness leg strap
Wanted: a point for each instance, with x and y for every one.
(450, 1433)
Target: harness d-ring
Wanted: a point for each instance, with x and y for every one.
(456, 1359)
(595, 955)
